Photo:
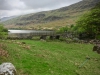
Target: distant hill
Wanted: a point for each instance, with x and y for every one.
(53, 19)
(6, 18)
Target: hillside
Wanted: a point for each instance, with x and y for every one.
(52, 19)
(7, 18)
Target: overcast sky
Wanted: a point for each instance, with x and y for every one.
(20, 7)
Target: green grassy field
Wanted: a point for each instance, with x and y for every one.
(50, 58)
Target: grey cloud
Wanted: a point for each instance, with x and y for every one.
(4, 5)
(16, 7)
(33, 4)
(12, 5)
(47, 3)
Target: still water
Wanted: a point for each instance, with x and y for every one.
(28, 31)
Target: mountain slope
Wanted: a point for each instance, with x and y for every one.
(52, 19)
(7, 18)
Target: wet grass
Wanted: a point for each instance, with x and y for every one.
(51, 58)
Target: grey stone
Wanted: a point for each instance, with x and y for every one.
(7, 69)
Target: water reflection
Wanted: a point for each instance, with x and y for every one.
(27, 31)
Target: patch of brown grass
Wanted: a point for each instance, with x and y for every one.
(3, 52)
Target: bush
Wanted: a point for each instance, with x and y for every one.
(3, 32)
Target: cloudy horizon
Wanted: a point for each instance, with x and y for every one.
(21, 7)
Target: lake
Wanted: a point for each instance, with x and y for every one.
(29, 31)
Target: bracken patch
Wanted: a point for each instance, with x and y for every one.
(3, 52)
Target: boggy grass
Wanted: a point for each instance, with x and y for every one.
(51, 58)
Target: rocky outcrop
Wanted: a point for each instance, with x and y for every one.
(7, 69)
(97, 48)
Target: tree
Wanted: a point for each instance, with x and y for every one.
(90, 22)
(3, 32)
(62, 29)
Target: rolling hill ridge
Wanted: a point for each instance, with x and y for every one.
(53, 19)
